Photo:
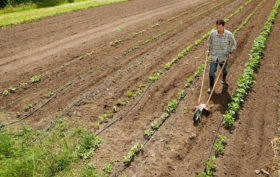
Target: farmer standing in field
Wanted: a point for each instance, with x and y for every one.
(221, 43)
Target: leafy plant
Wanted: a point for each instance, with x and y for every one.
(88, 144)
(164, 116)
(155, 125)
(147, 133)
(136, 148)
(27, 107)
(154, 77)
(130, 94)
(115, 109)
(119, 103)
(49, 95)
(24, 84)
(5, 92)
(186, 110)
(12, 89)
(172, 105)
(219, 144)
(180, 94)
(107, 168)
(35, 78)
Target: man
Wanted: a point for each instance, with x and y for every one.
(221, 43)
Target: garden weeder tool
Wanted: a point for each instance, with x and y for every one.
(200, 107)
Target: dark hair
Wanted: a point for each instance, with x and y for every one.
(220, 22)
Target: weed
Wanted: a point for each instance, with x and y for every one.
(107, 168)
(119, 103)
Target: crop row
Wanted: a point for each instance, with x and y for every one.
(51, 94)
(171, 107)
(246, 80)
(130, 94)
(244, 84)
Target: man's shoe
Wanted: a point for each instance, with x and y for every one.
(224, 82)
(209, 90)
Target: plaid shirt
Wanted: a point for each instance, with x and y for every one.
(221, 45)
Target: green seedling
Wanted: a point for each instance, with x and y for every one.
(36, 102)
(35, 79)
(180, 94)
(172, 105)
(219, 144)
(147, 133)
(168, 65)
(24, 84)
(119, 103)
(130, 94)
(12, 89)
(115, 42)
(50, 94)
(155, 125)
(186, 110)
(69, 83)
(5, 92)
(164, 116)
(27, 107)
(90, 71)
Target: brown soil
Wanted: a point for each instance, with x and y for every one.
(53, 51)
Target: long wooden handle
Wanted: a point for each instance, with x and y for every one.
(207, 54)
(216, 81)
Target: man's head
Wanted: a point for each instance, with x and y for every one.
(220, 24)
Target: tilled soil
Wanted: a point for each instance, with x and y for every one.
(52, 47)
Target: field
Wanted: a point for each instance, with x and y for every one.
(110, 91)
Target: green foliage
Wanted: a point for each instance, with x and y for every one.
(136, 148)
(155, 125)
(130, 94)
(88, 144)
(5, 92)
(107, 168)
(154, 77)
(120, 103)
(172, 105)
(49, 94)
(164, 116)
(186, 110)
(180, 94)
(24, 84)
(246, 79)
(12, 89)
(27, 107)
(219, 144)
(147, 133)
(35, 79)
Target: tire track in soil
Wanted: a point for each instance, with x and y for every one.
(74, 90)
(135, 119)
(178, 149)
(249, 144)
